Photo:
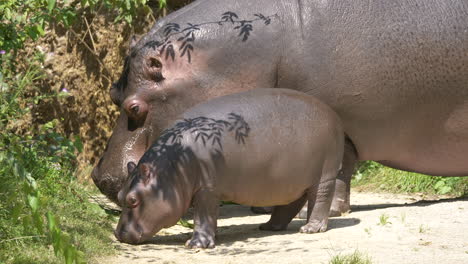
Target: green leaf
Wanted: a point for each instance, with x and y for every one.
(79, 257)
(162, 4)
(444, 189)
(128, 18)
(38, 222)
(27, 220)
(7, 14)
(56, 241)
(51, 223)
(69, 254)
(185, 223)
(40, 30)
(18, 170)
(439, 184)
(50, 5)
(78, 144)
(33, 202)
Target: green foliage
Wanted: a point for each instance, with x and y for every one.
(127, 9)
(26, 19)
(376, 176)
(40, 199)
(354, 258)
(22, 20)
(45, 215)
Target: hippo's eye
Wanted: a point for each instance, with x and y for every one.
(135, 109)
(132, 201)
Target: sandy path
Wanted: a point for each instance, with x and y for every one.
(417, 232)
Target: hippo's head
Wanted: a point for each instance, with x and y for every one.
(175, 66)
(149, 203)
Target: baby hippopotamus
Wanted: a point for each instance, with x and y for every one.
(263, 147)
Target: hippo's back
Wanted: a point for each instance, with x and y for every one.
(272, 104)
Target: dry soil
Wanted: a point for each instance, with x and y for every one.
(416, 231)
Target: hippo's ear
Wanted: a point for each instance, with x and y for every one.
(131, 167)
(145, 173)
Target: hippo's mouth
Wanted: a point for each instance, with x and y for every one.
(130, 237)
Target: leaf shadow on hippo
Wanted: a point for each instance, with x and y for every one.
(250, 148)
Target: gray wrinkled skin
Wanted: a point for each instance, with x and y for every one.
(250, 148)
(394, 71)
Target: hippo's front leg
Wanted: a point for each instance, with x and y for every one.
(206, 206)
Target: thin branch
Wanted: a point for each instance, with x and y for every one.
(90, 34)
(94, 53)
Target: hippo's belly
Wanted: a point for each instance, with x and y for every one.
(429, 136)
(274, 181)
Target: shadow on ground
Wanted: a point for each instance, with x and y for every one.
(422, 203)
(227, 235)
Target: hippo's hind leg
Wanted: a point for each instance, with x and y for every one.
(283, 214)
(206, 206)
(319, 199)
(341, 202)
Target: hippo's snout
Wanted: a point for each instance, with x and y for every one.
(132, 237)
(108, 182)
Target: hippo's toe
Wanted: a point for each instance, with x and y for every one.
(314, 226)
(200, 240)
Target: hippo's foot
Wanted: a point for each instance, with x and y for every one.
(314, 226)
(339, 207)
(261, 210)
(268, 226)
(200, 240)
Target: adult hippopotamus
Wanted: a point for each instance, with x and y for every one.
(396, 72)
(250, 148)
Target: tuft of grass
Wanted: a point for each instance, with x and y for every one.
(355, 258)
(372, 175)
(383, 220)
(423, 229)
(403, 217)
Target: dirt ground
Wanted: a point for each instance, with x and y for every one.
(416, 231)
